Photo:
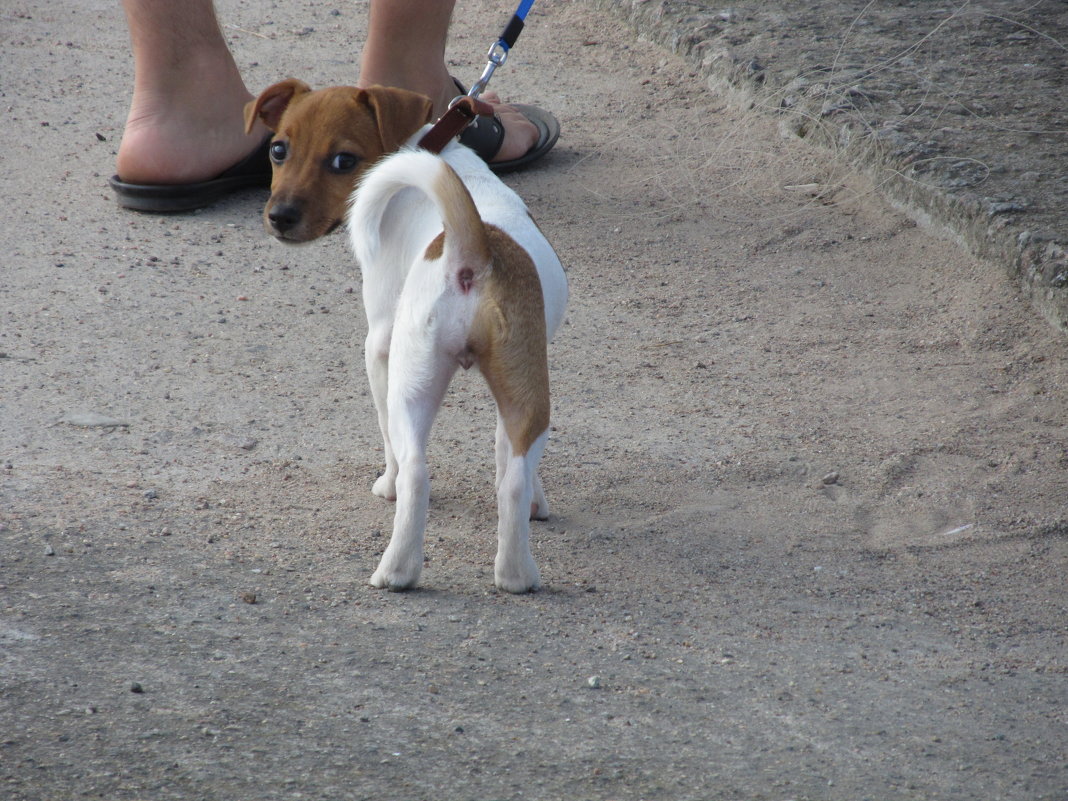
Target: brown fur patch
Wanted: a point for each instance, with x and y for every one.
(436, 248)
(509, 339)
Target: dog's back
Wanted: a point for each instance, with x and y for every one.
(403, 204)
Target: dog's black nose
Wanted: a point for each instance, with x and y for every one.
(284, 217)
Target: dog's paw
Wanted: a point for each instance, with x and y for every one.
(397, 574)
(519, 577)
(385, 486)
(394, 582)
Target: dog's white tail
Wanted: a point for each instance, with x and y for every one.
(465, 242)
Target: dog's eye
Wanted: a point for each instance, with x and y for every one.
(279, 151)
(343, 162)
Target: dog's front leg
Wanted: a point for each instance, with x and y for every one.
(376, 356)
(417, 384)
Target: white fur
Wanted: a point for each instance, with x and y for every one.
(418, 322)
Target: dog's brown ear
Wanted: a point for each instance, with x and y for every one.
(272, 103)
(400, 113)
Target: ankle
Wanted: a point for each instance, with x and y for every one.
(436, 84)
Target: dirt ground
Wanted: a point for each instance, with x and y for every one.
(808, 471)
(956, 112)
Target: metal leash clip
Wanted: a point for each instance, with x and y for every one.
(498, 53)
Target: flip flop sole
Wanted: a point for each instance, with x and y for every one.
(252, 172)
(548, 132)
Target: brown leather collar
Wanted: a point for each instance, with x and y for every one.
(452, 123)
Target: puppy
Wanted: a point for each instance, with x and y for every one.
(323, 141)
(455, 274)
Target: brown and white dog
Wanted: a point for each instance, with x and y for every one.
(323, 142)
(455, 274)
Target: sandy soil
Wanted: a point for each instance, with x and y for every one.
(808, 472)
(955, 112)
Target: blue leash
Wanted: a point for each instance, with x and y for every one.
(515, 24)
(498, 53)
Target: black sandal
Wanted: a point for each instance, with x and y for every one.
(252, 172)
(486, 134)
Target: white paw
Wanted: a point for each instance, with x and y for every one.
(385, 486)
(394, 581)
(397, 573)
(518, 576)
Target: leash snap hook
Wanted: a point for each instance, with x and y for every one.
(496, 57)
(498, 53)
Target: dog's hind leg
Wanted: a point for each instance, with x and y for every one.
(418, 378)
(539, 506)
(502, 450)
(514, 569)
(514, 362)
(376, 355)
(521, 391)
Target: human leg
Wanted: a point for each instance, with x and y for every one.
(184, 144)
(185, 120)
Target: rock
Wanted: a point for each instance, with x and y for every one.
(93, 420)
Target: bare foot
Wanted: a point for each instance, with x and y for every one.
(184, 142)
(520, 134)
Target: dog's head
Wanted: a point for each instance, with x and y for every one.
(323, 142)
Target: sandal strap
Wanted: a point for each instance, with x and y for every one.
(484, 136)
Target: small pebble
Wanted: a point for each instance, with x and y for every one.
(594, 682)
(831, 478)
(135, 687)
